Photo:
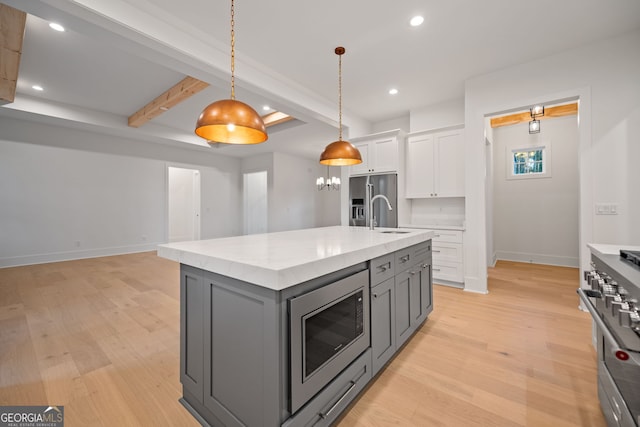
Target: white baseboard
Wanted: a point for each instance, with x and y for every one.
(493, 260)
(474, 284)
(562, 261)
(71, 255)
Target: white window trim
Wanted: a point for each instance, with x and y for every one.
(546, 160)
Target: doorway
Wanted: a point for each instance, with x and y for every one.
(533, 215)
(183, 204)
(255, 202)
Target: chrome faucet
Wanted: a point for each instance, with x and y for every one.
(371, 199)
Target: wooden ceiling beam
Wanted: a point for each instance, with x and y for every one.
(186, 88)
(12, 24)
(549, 112)
(275, 118)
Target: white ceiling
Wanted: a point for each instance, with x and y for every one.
(116, 56)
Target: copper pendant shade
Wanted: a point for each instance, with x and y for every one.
(340, 153)
(230, 121)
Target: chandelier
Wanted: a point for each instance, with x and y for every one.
(332, 182)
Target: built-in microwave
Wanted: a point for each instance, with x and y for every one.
(329, 329)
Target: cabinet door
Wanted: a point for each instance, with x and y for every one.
(383, 317)
(449, 176)
(385, 155)
(192, 332)
(363, 167)
(235, 351)
(403, 307)
(426, 289)
(420, 165)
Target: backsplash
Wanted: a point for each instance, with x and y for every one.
(439, 211)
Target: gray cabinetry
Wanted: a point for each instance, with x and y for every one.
(402, 302)
(407, 306)
(325, 408)
(234, 341)
(413, 289)
(230, 334)
(192, 331)
(383, 329)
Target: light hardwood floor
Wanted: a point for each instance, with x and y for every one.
(101, 337)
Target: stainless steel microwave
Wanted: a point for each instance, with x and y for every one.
(329, 329)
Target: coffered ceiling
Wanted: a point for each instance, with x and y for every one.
(117, 56)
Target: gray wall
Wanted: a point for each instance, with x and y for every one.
(536, 219)
(609, 92)
(69, 194)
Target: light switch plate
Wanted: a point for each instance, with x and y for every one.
(606, 209)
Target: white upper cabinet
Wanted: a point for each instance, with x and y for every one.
(435, 164)
(379, 153)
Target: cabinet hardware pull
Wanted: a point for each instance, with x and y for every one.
(413, 273)
(375, 295)
(404, 258)
(425, 265)
(437, 252)
(436, 235)
(436, 269)
(384, 267)
(335, 405)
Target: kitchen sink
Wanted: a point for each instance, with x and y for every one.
(395, 232)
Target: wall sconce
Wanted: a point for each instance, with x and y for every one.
(537, 111)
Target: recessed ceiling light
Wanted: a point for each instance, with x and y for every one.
(37, 87)
(56, 26)
(393, 91)
(416, 21)
(266, 108)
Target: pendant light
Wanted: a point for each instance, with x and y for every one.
(230, 121)
(340, 153)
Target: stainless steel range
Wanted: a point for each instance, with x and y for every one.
(611, 296)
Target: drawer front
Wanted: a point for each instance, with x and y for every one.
(381, 269)
(445, 270)
(327, 405)
(443, 251)
(405, 258)
(422, 251)
(452, 236)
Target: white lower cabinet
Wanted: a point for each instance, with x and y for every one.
(447, 256)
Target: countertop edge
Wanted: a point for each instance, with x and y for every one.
(610, 249)
(283, 278)
(433, 227)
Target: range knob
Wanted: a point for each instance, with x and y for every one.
(630, 319)
(619, 306)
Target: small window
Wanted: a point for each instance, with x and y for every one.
(529, 162)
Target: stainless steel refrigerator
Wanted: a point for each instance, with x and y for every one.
(386, 185)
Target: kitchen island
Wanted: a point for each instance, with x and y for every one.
(238, 352)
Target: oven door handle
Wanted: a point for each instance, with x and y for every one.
(613, 344)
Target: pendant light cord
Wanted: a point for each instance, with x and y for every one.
(340, 95)
(233, 52)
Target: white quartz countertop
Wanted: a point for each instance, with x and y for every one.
(283, 259)
(434, 226)
(608, 249)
